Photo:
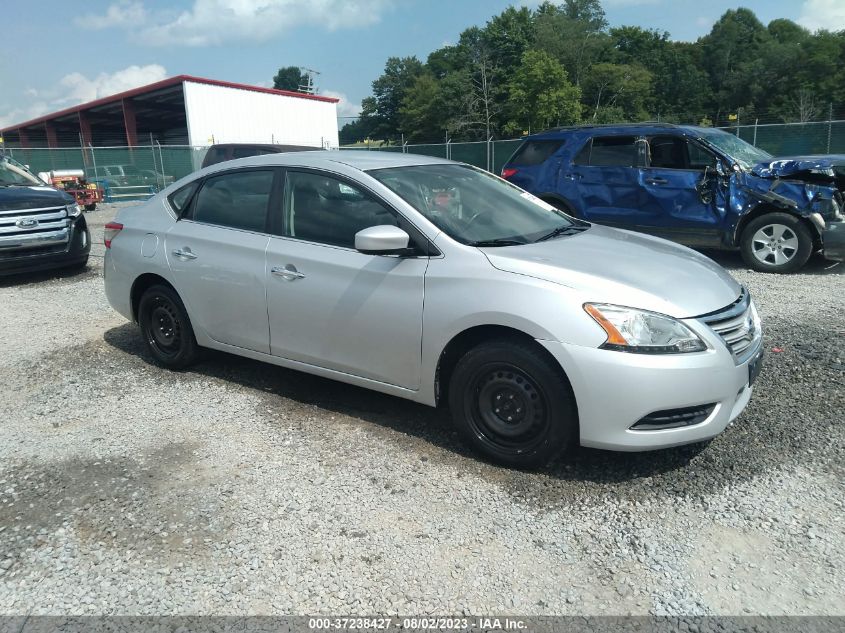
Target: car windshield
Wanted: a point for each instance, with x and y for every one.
(473, 206)
(13, 173)
(744, 153)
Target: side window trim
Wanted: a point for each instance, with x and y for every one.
(277, 228)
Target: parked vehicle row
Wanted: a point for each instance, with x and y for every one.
(698, 186)
(443, 284)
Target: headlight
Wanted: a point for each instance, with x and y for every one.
(639, 331)
(73, 210)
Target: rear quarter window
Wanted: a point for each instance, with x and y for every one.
(535, 152)
(180, 198)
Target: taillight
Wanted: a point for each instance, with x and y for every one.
(507, 172)
(110, 231)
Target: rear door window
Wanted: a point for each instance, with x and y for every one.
(535, 152)
(612, 151)
(237, 200)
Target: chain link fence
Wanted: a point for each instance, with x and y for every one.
(139, 172)
(123, 172)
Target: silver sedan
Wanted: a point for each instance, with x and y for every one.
(441, 283)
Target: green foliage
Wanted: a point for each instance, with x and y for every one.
(561, 63)
(624, 88)
(288, 78)
(541, 95)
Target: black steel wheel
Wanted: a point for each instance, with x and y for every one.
(511, 401)
(166, 328)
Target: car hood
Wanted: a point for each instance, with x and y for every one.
(31, 197)
(625, 268)
(784, 166)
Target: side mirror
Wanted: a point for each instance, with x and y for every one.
(382, 240)
(720, 169)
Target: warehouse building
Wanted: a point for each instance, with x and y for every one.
(185, 110)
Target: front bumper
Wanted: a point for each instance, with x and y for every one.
(614, 390)
(833, 240)
(73, 251)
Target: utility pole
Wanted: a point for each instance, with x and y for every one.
(307, 84)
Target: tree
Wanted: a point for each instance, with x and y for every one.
(389, 90)
(541, 95)
(507, 36)
(623, 87)
(288, 78)
(732, 56)
(573, 34)
(422, 115)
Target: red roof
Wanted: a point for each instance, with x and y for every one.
(164, 83)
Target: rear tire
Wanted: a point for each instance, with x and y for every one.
(166, 328)
(512, 403)
(90, 207)
(776, 243)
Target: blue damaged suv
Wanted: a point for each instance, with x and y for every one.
(699, 186)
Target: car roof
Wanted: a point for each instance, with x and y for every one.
(357, 159)
(611, 128)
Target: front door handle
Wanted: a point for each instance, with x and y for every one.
(289, 272)
(572, 176)
(656, 181)
(184, 253)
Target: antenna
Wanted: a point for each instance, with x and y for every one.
(308, 83)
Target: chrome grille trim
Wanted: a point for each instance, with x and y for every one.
(33, 228)
(735, 326)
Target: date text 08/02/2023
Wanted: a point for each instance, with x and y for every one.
(414, 623)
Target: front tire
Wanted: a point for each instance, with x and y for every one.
(512, 403)
(776, 243)
(166, 328)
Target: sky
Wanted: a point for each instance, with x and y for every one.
(57, 54)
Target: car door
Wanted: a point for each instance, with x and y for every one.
(332, 306)
(679, 199)
(606, 175)
(217, 253)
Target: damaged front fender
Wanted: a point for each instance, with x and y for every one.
(748, 193)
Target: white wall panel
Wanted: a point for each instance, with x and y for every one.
(232, 115)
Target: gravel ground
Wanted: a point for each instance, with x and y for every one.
(242, 488)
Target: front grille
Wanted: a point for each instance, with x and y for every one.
(26, 229)
(674, 418)
(736, 325)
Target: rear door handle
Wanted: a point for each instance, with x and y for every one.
(289, 272)
(572, 176)
(184, 253)
(656, 181)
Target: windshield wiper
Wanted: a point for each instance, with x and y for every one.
(497, 242)
(561, 230)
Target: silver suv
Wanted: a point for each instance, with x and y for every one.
(438, 282)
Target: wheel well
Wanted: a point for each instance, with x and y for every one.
(140, 286)
(763, 210)
(466, 340)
